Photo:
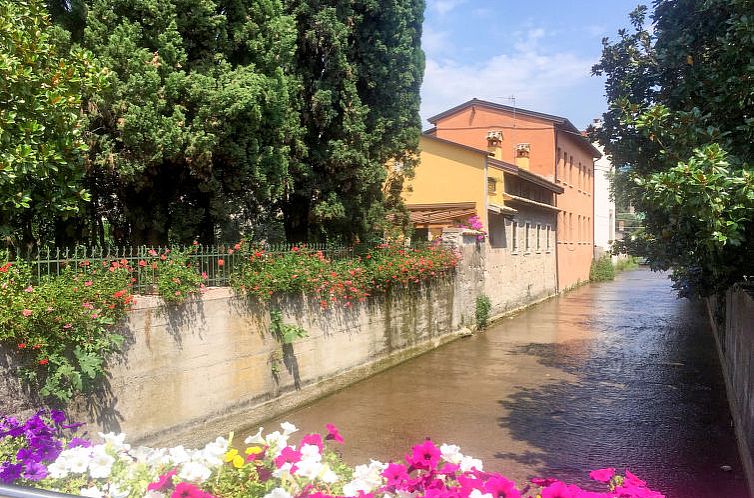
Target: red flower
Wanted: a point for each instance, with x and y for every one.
(5, 267)
(44, 361)
(220, 262)
(22, 345)
(36, 346)
(142, 263)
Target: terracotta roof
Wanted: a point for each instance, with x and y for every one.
(559, 121)
(450, 142)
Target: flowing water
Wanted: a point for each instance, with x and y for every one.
(620, 374)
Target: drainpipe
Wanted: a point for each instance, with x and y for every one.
(557, 217)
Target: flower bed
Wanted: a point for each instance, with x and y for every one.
(42, 452)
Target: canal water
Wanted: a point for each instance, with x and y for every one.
(619, 374)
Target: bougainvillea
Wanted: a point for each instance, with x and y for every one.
(269, 466)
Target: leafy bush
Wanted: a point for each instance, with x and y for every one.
(344, 281)
(270, 466)
(483, 307)
(627, 263)
(602, 269)
(61, 328)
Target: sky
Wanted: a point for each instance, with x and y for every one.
(539, 52)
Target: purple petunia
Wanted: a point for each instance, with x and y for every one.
(35, 471)
(9, 472)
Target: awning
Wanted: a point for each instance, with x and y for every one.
(441, 213)
(501, 209)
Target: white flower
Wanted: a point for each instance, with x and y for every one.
(92, 492)
(478, 494)
(256, 438)
(115, 491)
(451, 453)
(179, 455)
(329, 476)
(57, 469)
(213, 452)
(278, 493)
(194, 472)
(284, 470)
(153, 494)
(276, 442)
(367, 478)
(310, 452)
(309, 469)
(116, 440)
(101, 464)
(468, 463)
(288, 428)
(78, 461)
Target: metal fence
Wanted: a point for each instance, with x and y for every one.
(215, 263)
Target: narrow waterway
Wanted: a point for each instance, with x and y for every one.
(619, 374)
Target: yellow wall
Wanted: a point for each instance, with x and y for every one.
(497, 197)
(448, 173)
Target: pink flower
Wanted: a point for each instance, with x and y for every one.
(88, 283)
(602, 475)
(163, 482)
(333, 434)
(395, 474)
(67, 325)
(313, 439)
(87, 305)
(95, 315)
(288, 455)
(187, 490)
(501, 487)
(632, 480)
(204, 275)
(29, 289)
(26, 312)
(424, 456)
(558, 489)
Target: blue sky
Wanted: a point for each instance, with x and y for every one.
(540, 51)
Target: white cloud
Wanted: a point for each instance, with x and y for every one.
(539, 78)
(434, 41)
(444, 6)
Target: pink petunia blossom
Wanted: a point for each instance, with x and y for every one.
(26, 312)
(424, 456)
(333, 434)
(602, 475)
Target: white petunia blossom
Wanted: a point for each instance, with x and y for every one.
(256, 438)
(278, 493)
(309, 469)
(194, 472)
(91, 492)
(478, 494)
(288, 428)
(117, 441)
(179, 455)
(310, 452)
(329, 476)
(468, 463)
(76, 459)
(115, 491)
(451, 453)
(366, 478)
(100, 464)
(153, 494)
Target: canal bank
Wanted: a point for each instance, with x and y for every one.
(618, 374)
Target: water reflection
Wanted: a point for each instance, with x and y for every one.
(618, 374)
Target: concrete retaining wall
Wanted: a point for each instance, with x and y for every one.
(191, 372)
(735, 343)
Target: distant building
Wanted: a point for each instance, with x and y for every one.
(604, 205)
(552, 148)
(516, 208)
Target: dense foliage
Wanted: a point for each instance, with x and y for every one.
(61, 328)
(42, 134)
(220, 118)
(342, 282)
(269, 466)
(681, 134)
(602, 269)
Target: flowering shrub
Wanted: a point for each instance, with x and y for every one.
(269, 466)
(176, 278)
(475, 223)
(344, 282)
(61, 328)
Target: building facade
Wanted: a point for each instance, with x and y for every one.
(516, 208)
(548, 146)
(604, 206)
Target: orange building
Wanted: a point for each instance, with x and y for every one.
(548, 146)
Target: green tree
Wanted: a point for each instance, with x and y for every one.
(680, 131)
(192, 138)
(42, 132)
(360, 66)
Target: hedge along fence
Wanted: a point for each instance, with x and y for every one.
(58, 317)
(216, 262)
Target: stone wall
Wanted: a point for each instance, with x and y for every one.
(191, 372)
(735, 341)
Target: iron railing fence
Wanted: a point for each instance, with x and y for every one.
(215, 262)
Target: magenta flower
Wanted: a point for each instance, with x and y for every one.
(557, 489)
(288, 455)
(333, 434)
(313, 439)
(396, 474)
(424, 456)
(187, 490)
(163, 482)
(632, 480)
(500, 487)
(602, 475)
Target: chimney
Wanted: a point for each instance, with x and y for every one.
(522, 156)
(494, 144)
